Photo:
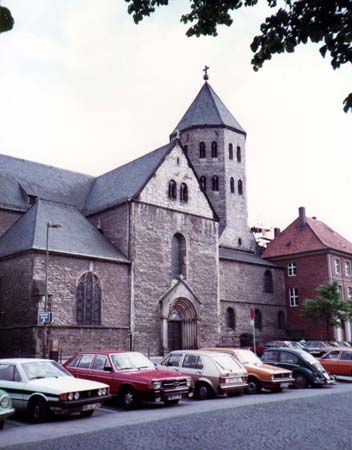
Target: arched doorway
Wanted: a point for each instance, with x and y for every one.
(182, 325)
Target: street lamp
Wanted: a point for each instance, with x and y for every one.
(45, 332)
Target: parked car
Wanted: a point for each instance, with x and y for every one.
(279, 344)
(260, 375)
(212, 373)
(41, 387)
(6, 409)
(306, 370)
(131, 376)
(338, 361)
(315, 348)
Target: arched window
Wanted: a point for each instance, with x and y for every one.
(230, 318)
(215, 183)
(178, 255)
(268, 282)
(203, 183)
(258, 319)
(230, 151)
(281, 320)
(214, 149)
(172, 189)
(239, 156)
(88, 300)
(232, 185)
(201, 150)
(184, 193)
(240, 187)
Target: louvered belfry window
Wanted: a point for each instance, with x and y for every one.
(88, 300)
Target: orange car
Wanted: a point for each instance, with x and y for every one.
(337, 361)
(260, 375)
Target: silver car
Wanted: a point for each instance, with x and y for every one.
(212, 373)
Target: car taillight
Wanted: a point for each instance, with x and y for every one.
(223, 380)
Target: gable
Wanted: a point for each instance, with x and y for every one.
(176, 166)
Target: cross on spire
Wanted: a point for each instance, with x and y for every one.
(205, 70)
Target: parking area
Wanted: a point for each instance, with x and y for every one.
(17, 430)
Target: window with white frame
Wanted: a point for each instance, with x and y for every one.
(340, 291)
(291, 269)
(348, 268)
(349, 292)
(293, 294)
(337, 265)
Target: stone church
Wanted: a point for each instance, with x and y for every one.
(152, 256)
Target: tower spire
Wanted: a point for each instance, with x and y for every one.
(205, 70)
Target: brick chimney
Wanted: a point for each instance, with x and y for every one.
(277, 231)
(302, 216)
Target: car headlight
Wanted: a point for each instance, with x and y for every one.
(189, 382)
(70, 396)
(76, 395)
(5, 401)
(156, 384)
(272, 377)
(100, 392)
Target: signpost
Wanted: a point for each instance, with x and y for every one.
(252, 322)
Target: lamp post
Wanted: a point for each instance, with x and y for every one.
(45, 330)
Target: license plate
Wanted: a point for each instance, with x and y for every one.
(174, 397)
(284, 385)
(90, 406)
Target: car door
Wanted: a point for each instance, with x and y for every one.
(346, 363)
(83, 367)
(271, 357)
(331, 362)
(288, 360)
(101, 370)
(192, 365)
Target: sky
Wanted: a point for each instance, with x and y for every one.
(84, 88)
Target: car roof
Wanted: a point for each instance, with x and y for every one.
(199, 352)
(22, 360)
(104, 352)
(339, 349)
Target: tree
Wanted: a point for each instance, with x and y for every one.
(327, 307)
(6, 20)
(296, 22)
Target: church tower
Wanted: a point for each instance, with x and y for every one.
(215, 143)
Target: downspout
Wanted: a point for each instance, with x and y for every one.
(129, 252)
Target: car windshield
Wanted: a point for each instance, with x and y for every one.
(44, 369)
(248, 357)
(226, 363)
(131, 360)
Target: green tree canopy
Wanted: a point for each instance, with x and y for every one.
(6, 20)
(293, 23)
(328, 307)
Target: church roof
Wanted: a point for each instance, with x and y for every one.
(125, 182)
(20, 178)
(312, 236)
(77, 236)
(207, 109)
(244, 257)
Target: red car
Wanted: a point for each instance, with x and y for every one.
(131, 376)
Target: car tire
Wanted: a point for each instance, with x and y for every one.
(171, 402)
(300, 381)
(128, 398)
(1, 424)
(38, 410)
(203, 391)
(254, 386)
(87, 413)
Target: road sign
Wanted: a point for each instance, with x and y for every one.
(44, 317)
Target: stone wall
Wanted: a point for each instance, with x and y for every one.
(241, 286)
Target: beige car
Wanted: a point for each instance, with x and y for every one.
(212, 373)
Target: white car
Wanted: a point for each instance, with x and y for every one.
(41, 387)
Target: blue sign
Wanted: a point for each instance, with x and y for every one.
(44, 317)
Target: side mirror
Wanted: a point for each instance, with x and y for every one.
(107, 369)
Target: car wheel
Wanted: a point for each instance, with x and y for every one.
(128, 398)
(38, 410)
(300, 381)
(1, 424)
(203, 391)
(254, 386)
(87, 413)
(171, 402)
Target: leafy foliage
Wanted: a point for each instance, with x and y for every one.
(327, 307)
(6, 19)
(294, 23)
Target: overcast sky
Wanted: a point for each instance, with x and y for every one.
(84, 88)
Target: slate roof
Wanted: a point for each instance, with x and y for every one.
(207, 109)
(77, 236)
(125, 182)
(19, 178)
(314, 235)
(243, 257)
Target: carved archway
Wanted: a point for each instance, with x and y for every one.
(182, 325)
